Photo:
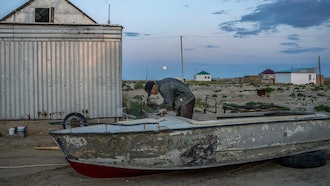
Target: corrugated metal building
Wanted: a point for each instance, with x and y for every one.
(53, 66)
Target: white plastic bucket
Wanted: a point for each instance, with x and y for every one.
(11, 131)
(21, 130)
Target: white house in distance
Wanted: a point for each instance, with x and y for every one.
(203, 76)
(296, 76)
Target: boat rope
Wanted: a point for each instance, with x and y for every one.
(30, 166)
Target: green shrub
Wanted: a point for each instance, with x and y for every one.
(139, 85)
(138, 97)
(203, 84)
(292, 95)
(199, 103)
(230, 104)
(321, 94)
(301, 95)
(317, 88)
(322, 108)
(260, 104)
(269, 90)
(134, 108)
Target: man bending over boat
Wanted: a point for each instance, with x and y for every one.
(176, 94)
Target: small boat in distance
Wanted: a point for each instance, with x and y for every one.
(154, 145)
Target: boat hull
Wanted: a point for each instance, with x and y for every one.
(103, 171)
(180, 144)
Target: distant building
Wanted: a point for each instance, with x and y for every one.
(296, 76)
(203, 76)
(252, 79)
(267, 76)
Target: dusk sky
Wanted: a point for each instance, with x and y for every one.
(226, 38)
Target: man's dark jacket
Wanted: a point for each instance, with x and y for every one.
(174, 92)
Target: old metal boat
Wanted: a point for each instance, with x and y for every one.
(153, 145)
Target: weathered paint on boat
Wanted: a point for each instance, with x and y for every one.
(147, 146)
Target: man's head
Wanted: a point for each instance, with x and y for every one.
(151, 87)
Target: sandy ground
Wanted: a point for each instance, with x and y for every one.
(22, 164)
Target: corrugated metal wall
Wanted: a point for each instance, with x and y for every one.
(58, 70)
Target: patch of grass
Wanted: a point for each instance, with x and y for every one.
(317, 88)
(139, 85)
(138, 97)
(204, 84)
(134, 108)
(293, 95)
(321, 94)
(296, 88)
(259, 104)
(301, 109)
(230, 104)
(322, 108)
(199, 103)
(301, 95)
(269, 90)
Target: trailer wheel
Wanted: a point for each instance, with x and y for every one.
(74, 120)
(305, 160)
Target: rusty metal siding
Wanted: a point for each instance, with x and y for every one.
(50, 74)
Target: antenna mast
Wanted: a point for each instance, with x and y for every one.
(109, 15)
(320, 76)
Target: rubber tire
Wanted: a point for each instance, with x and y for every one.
(305, 160)
(77, 116)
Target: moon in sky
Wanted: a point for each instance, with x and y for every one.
(164, 67)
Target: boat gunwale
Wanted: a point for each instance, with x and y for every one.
(165, 129)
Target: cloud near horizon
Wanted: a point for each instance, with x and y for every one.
(134, 34)
(267, 17)
(221, 12)
(302, 50)
(212, 46)
(295, 47)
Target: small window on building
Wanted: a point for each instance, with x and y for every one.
(309, 77)
(42, 14)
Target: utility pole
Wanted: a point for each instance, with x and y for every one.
(320, 77)
(182, 59)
